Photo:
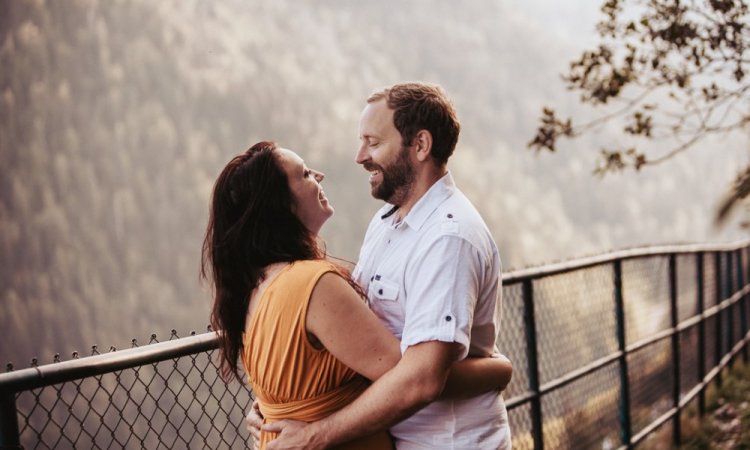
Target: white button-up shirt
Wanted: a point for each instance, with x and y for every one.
(434, 277)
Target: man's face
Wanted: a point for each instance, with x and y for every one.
(382, 154)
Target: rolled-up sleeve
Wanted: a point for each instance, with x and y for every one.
(442, 292)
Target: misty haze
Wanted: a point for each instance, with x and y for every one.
(116, 117)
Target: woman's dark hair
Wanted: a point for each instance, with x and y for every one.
(251, 225)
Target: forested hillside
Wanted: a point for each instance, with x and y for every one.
(116, 116)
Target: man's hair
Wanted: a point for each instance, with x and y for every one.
(421, 106)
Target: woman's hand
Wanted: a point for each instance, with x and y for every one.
(254, 420)
(474, 376)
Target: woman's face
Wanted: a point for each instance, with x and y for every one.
(310, 203)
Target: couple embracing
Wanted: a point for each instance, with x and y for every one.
(400, 352)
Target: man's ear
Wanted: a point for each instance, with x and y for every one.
(423, 143)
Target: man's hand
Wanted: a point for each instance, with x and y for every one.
(254, 420)
(293, 435)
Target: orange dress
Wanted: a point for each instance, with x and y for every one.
(291, 378)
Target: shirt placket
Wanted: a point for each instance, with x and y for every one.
(391, 244)
(387, 246)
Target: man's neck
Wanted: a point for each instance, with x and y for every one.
(422, 184)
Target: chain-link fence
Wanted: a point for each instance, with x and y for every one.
(162, 395)
(618, 350)
(608, 352)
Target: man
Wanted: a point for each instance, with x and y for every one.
(431, 269)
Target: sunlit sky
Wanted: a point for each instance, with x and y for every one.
(571, 21)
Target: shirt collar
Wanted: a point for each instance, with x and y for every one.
(428, 203)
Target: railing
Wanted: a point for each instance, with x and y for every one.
(612, 352)
(615, 349)
(161, 395)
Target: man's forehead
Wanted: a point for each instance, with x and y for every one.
(377, 106)
(375, 117)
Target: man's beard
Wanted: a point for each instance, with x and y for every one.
(398, 178)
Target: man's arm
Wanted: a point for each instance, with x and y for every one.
(467, 378)
(418, 378)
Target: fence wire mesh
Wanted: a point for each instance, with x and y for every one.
(511, 339)
(645, 287)
(710, 286)
(521, 427)
(651, 381)
(177, 403)
(687, 288)
(570, 333)
(689, 375)
(584, 414)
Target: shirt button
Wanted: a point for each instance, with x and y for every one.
(450, 216)
(372, 278)
(448, 318)
(380, 291)
(389, 241)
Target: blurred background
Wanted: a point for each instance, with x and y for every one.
(116, 117)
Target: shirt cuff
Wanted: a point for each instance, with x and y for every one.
(446, 331)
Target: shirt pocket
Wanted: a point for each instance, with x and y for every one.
(383, 290)
(383, 297)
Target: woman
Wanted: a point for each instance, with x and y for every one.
(307, 341)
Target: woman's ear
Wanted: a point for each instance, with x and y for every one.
(423, 143)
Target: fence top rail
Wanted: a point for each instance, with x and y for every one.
(60, 372)
(640, 252)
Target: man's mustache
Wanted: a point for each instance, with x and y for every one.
(370, 166)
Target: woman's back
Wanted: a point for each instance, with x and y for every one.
(291, 378)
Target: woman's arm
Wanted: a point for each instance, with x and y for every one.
(473, 376)
(341, 321)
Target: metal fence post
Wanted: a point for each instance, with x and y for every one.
(718, 334)
(533, 363)
(626, 431)
(729, 291)
(676, 432)
(742, 306)
(9, 436)
(700, 306)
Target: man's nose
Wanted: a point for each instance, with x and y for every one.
(362, 154)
